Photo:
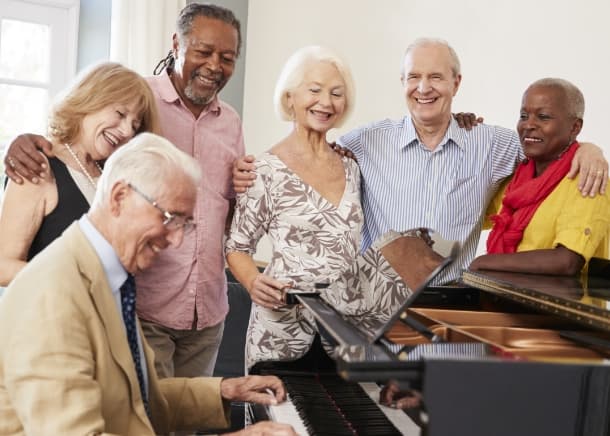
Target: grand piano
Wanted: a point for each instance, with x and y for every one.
(498, 354)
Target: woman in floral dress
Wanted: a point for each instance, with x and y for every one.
(307, 199)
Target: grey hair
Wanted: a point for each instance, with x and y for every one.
(422, 42)
(184, 23)
(293, 73)
(149, 162)
(574, 98)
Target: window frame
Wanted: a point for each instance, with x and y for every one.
(63, 68)
(62, 17)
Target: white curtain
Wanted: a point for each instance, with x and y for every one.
(141, 32)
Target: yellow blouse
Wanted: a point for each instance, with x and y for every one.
(566, 218)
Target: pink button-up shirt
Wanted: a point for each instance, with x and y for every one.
(192, 277)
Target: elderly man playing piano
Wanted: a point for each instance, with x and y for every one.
(73, 360)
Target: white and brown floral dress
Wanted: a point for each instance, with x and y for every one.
(313, 242)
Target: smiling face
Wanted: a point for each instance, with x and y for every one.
(105, 130)
(545, 125)
(319, 101)
(142, 233)
(205, 60)
(429, 84)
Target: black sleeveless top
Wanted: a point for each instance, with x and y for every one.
(71, 205)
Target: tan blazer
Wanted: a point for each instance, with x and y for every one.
(65, 363)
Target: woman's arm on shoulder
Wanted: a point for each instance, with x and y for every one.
(591, 167)
(23, 209)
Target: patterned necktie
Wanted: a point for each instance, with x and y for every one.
(128, 304)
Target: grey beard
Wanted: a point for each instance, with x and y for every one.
(195, 99)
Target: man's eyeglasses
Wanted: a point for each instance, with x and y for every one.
(170, 221)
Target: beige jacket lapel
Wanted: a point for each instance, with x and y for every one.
(104, 302)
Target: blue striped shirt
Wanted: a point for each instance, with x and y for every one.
(405, 185)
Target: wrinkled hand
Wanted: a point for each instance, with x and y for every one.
(592, 169)
(24, 160)
(260, 389)
(467, 120)
(243, 173)
(266, 428)
(392, 396)
(343, 151)
(267, 292)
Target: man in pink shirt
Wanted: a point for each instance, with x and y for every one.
(182, 298)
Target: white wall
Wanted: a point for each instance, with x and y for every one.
(503, 46)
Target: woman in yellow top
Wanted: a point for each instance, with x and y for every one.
(545, 225)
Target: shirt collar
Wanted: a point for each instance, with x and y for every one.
(114, 270)
(168, 93)
(454, 134)
(410, 135)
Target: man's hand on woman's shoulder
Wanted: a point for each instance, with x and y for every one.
(23, 158)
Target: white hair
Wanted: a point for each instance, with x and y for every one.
(574, 99)
(149, 162)
(423, 42)
(294, 71)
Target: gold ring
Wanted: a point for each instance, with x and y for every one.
(11, 162)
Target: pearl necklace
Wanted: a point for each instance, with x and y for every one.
(82, 167)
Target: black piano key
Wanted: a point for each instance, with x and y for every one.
(328, 405)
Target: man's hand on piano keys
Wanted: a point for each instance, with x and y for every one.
(266, 428)
(392, 395)
(268, 390)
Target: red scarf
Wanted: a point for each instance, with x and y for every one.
(523, 195)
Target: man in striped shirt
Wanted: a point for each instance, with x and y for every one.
(426, 171)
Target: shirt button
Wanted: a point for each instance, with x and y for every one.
(192, 292)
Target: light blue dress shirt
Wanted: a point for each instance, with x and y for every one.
(115, 274)
(405, 185)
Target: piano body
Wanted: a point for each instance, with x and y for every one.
(546, 370)
(502, 354)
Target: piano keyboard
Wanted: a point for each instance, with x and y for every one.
(327, 405)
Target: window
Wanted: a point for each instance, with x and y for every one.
(38, 43)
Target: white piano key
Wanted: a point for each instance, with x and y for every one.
(286, 413)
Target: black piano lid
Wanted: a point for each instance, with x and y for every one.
(455, 248)
(345, 333)
(585, 301)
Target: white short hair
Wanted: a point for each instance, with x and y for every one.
(149, 162)
(294, 71)
(574, 98)
(422, 42)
